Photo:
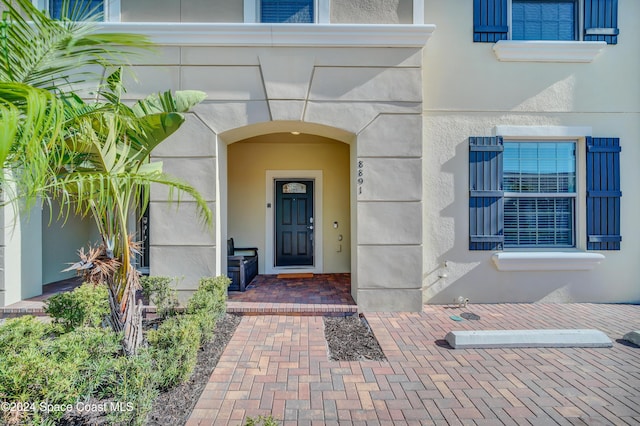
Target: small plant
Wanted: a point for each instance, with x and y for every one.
(174, 346)
(87, 305)
(209, 303)
(262, 421)
(133, 381)
(158, 290)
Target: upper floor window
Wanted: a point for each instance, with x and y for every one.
(544, 20)
(78, 10)
(287, 11)
(588, 20)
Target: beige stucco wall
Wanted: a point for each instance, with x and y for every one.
(247, 164)
(20, 254)
(467, 92)
(61, 240)
(181, 11)
(372, 12)
(369, 98)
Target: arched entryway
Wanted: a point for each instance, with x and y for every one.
(368, 101)
(288, 191)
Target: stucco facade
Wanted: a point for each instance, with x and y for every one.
(342, 101)
(472, 93)
(375, 102)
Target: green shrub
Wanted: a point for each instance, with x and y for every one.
(209, 303)
(158, 290)
(132, 381)
(38, 363)
(174, 346)
(19, 333)
(87, 305)
(54, 369)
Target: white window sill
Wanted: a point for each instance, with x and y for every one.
(546, 261)
(547, 51)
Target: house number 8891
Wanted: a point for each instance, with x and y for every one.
(360, 175)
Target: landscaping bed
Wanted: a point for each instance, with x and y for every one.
(74, 360)
(350, 339)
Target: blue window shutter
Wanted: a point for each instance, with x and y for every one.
(603, 194)
(601, 21)
(486, 197)
(490, 20)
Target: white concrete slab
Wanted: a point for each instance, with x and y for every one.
(468, 339)
(633, 337)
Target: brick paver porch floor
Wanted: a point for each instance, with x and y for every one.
(319, 295)
(278, 365)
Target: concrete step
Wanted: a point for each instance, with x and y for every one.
(471, 339)
(294, 309)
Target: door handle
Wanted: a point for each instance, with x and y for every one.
(310, 227)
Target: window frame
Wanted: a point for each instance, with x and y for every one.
(322, 12)
(573, 196)
(578, 30)
(577, 134)
(314, 12)
(111, 9)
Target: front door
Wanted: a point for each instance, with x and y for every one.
(294, 222)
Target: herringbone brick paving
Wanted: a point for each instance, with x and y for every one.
(323, 294)
(278, 365)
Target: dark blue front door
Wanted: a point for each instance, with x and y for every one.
(294, 222)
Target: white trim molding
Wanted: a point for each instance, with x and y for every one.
(530, 132)
(546, 261)
(320, 35)
(547, 51)
(418, 12)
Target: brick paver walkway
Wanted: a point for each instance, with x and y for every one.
(278, 365)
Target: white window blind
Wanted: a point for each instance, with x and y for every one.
(540, 187)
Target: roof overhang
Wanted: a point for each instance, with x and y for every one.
(308, 35)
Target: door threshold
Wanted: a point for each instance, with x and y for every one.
(295, 275)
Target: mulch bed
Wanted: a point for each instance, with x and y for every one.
(350, 339)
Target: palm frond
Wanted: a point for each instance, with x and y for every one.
(180, 101)
(32, 121)
(52, 54)
(95, 266)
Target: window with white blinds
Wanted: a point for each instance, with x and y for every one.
(544, 20)
(539, 183)
(77, 10)
(286, 11)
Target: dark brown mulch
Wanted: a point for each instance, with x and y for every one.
(174, 406)
(350, 339)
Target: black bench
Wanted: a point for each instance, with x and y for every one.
(241, 268)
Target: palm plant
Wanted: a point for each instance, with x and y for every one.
(109, 176)
(90, 156)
